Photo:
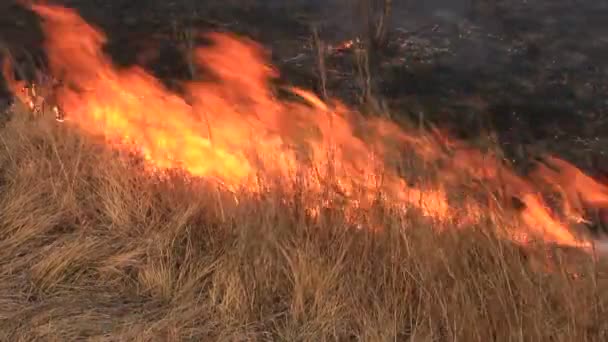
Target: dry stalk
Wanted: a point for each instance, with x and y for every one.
(321, 48)
(374, 16)
(363, 74)
(185, 35)
(373, 20)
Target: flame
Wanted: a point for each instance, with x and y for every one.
(233, 128)
(345, 45)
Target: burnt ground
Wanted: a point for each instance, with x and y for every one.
(533, 71)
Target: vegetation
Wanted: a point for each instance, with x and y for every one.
(92, 247)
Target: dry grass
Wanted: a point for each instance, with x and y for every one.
(94, 248)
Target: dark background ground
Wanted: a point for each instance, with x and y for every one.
(535, 71)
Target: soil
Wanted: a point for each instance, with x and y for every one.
(535, 72)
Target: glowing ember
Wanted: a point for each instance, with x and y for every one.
(346, 45)
(234, 129)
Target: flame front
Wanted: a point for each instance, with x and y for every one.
(233, 128)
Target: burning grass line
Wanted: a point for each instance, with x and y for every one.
(133, 111)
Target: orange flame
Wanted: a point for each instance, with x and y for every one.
(346, 45)
(234, 128)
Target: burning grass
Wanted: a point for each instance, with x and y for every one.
(228, 213)
(94, 246)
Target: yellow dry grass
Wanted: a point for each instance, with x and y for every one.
(92, 247)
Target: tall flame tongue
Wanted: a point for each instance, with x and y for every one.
(233, 129)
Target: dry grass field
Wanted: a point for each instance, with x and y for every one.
(92, 247)
(95, 245)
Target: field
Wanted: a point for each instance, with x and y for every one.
(289, 218)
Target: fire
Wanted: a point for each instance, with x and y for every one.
(345, 46)
(233, 128)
